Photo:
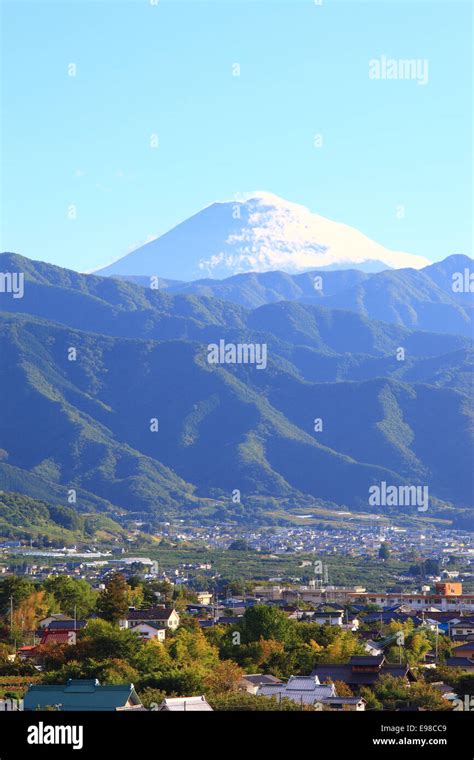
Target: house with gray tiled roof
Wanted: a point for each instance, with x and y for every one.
(362, 671)
(252, 682)
(353, 704)
(57, 616)
(185, 704)
(304, 690)
(460, 662)
(463, 628)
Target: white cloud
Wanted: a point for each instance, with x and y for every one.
(279, 234)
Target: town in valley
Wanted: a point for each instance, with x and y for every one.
(214, 617)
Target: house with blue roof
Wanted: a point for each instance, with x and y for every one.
(82, 694)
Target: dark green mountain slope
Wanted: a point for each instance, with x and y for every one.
(418, 299)
(112, 307)
(257, 289)
(22, 517)
(55, 431)
(425, 433)
(93, 421)
(141, 355)
(86, 424)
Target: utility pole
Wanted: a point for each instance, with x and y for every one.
(11, 620)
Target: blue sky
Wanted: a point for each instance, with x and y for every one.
(166, 69)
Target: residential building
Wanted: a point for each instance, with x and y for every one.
(185, 704)
(46, 622)
(58, 637)
(464, 650)
(351, 704)
(162, 617)
(373, 648)
(462, 629)
(252, 682)
(304, 690)
(204, 597)
(66, 625)
(361, 671)
(150, 631)
(448, 597)
(460, 662)
(330, 615)
(81, 694)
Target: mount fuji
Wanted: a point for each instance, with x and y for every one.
(260, 232)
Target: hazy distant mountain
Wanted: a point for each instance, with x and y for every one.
(263, 233)
(120, 308)
(421, 299)
(142, 354)
(258, 288)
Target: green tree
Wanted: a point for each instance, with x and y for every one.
(16, 587)
(465, 684)
(72, 594)
(30, 611)
(103, 640)
(151, 697)
(117, 671)
(185, 682)
(392, 693)
(264, 622)
(112, 603)
(191, 648)
(153, 590)
(224, 677)
(239, 545)
(242, 701)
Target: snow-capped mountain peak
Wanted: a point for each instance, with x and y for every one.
(256, 232)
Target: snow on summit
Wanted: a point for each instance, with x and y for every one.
(256, 232)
